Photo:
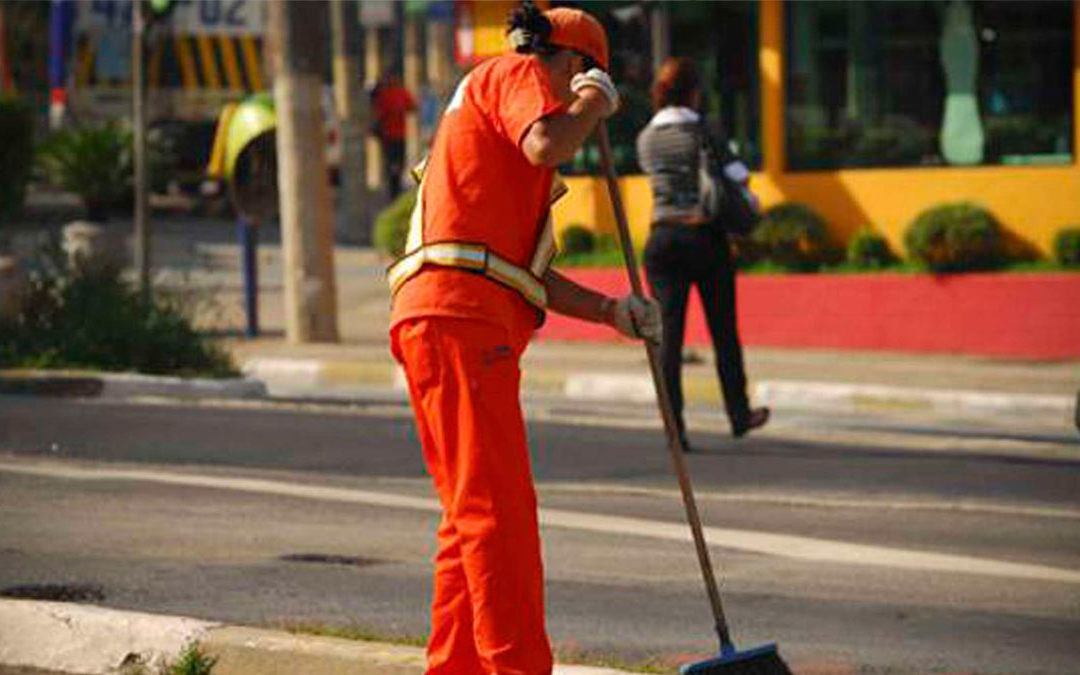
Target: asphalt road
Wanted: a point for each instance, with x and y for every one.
(287, 515)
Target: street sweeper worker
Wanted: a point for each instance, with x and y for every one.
(472, 286)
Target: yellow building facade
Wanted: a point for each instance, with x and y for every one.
(1031, 201)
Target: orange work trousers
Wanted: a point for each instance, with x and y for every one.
(487, 613)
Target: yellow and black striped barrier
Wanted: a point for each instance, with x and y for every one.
(190, 62)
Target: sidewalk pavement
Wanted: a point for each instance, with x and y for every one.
(57, 637)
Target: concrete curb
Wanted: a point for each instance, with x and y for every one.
(855, 398)
(90, 640)
(286, 376)
(290, 376)
(74, 638)
(347, 380)
(126, 385)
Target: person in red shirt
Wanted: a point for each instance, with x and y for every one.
(471, 288)
(392, 102)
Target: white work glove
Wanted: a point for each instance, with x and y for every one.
(598, 79)
(638, 317)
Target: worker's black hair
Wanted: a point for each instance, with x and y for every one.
(530, 30)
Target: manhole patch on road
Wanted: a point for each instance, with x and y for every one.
(330, 559)
(56, 592)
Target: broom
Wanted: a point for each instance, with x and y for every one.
(763, 660)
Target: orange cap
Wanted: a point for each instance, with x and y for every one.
(577, 30)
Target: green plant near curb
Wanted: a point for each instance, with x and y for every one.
(392, 224)
(868, 249)
(955, 237)
(16, 154)
(790, 235)
(604, 253)
(1067, 247)
(576, 239)
(93, 161)
(192, 661)
(96, 319)
(96, 162)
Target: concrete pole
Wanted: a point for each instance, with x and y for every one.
(299, 40)
(414, 75)
(138, 114)
(352, 111)
(373, 67)
(440, 53)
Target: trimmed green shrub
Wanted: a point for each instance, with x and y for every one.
(792, 236)
(92, 161)
(869, 250)
(392, 224)
(577, 239)
(95, 319)
(955, 237)
(96, 162)
(1067, 247)
(16, 154)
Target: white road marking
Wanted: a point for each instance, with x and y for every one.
(780, 545)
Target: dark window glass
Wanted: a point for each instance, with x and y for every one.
(627, 26)
(721, 36)
(928, 83)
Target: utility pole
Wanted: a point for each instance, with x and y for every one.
(138, 90)
(373, 70)
(414, 64)
(350, 102)
(298, 32)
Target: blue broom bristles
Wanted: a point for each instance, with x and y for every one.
(763, 660)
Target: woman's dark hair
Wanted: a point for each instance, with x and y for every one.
(675, 83)
(530, 30)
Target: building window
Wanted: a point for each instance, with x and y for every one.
(628, 30)
(928, 83)
(721, 36)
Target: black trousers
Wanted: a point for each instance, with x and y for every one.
(676, 258)
(393, 164)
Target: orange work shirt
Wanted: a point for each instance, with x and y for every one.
(479, 188)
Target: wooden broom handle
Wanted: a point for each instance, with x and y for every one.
(662, 396)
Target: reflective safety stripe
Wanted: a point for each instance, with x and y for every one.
(475, 257)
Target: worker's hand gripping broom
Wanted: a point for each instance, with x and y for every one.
(765, 659)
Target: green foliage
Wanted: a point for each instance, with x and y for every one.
(392, 224)
(94, 319)
(790, 235)
(955, 237)
(605, 253)
(97, 163)
(1067, 247)
(16, 154)
(93, 161)
(191, 662)
(867, 249)
(577, 239)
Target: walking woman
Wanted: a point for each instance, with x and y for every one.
(684, 248)
(472, 287)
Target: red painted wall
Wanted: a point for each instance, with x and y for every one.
(1033, 316)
